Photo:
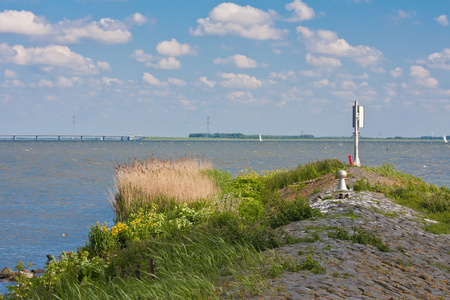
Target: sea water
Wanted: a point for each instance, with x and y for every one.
(53, 188)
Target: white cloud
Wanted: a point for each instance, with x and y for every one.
(152, 80)
(439, 60)
(23, 22)
(397, 72)
(242, 97)
(320, 61)
(45, 83)
(238, 60)
(109, 81)
(107, 30)
(442, 19)
(167, 63)
(282, 75)
(422, 77)
(211, 84)
(13, 84)
(302, 12)
(139, 19)
(176, 81)
(240, 81)
(327, 42)
(55, 56)
(419, 72)
(244, 21)
(429, 82)
(64, 82)
(348, 85)
(174, 48)
(401, 15)
(321, 83)
(141, 56)
(10, 74)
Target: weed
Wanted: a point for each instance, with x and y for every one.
(359, 236)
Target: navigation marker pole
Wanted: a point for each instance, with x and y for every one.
(358, 121)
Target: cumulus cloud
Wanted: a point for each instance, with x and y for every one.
(240, 81)
(64, 82)
(141, 56)
(152, 80)
(442, 19)
(397, 72)
(348, 85)
(282, 75)
(439, 60)
(209, 83)
(176, 81)
(139, 19)
(106, 30)
(238, 60)
(422, 77)
(45, 83)
(321, 83)
(110, 81)
(23, 22)
(327, 42)
(244, 21)
(301, 11)
(242, 97)
(10, 74)
(174, 48)
(320, 61)
(54, 56)
(167, 63)
(419, 72)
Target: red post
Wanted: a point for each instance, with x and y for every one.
(350, 159)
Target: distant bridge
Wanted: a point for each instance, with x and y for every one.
(68, 137)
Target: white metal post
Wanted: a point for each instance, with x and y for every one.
(356, 119)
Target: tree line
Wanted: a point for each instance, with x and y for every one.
(249, 137)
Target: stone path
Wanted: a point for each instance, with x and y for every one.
(416, 267)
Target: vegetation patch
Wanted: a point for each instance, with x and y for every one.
(205, 231)
(360, 236)
(432, 201)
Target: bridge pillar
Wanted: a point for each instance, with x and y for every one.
(59, 137)
(14, 137)
(37, 138)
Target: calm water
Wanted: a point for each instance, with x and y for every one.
(51, 188)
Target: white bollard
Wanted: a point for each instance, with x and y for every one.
(341, 185)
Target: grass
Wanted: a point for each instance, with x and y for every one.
(162, 182)
(432, 201)
(205, 231)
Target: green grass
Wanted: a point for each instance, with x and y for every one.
(360, 236)
(211, 248)
(432, 201)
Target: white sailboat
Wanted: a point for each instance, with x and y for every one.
(260, 138)
(445, 138)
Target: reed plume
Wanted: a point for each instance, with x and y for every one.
(139, 183)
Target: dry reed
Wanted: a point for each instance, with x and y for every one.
(161, 181)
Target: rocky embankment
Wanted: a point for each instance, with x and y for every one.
(416, 266)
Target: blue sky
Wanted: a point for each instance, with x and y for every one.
(161, 68)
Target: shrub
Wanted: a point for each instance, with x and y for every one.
(284, 212)
(303, 172)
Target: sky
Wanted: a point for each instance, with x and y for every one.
(174, 67)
